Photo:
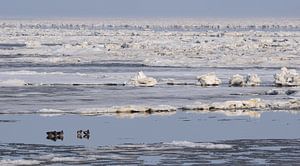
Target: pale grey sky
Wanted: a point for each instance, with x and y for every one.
(150, 8)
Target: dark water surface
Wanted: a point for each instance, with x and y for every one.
(181, 138)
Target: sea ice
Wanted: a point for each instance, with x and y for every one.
(237, 80)
(142, 80)
(200, 145)
(209, 79)
(252, 104)
(13, 82)
(287, 78)
(9, 162)
(252, 80)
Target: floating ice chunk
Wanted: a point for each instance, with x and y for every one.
(146, 109)
(129, 109)
(252, 80)
(66, 159)
(143, 115)
(67, 46)
(85, 44)
(237, 80)
(32, 44)
(110, 46)
(209, 79)
(246, 104)
(10, 162)
(13, 82)
(27, 72)
(228, 105)
(290, 104)
(287, 78)
(200, 145)
(142, 80)
(50, 112)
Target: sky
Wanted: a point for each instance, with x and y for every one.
(150, 8)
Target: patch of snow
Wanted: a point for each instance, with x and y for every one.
(209, 79)
(13, 82)
(199, 145)
(10, 162)
(237, 80)
(287, 78)
(50, 112)
(252, 80)
(142, 80)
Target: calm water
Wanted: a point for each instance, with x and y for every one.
(181, 138)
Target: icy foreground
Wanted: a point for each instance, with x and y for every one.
(194, 43)
(230, 152)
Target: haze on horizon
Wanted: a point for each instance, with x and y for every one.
(149, 8)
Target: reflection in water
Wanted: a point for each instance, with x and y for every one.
(8, 121)
(230, 152)
(83, 134)
(250, 113)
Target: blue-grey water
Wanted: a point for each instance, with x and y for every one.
(176, 138)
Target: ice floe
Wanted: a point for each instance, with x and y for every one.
(13, 82)
(197, 43)
(140, 79)
(237, 80)
(141, 109)
(27, 72)
(253, 80)
(11, 162)
(199, 145)
(121, 111)
(50, 112)
(209, 79)
(287, 77)
(252, 104)
(32, 44)
(251, 108)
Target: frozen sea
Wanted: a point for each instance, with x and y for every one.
(62, 77)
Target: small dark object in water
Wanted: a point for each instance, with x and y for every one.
(125, 45)
(55, 135)
(52, 138)
(86, 136)
(290, 92)
(87, 132)
(59, 133)
(79, 136)
(83, 134)
(79, 132)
